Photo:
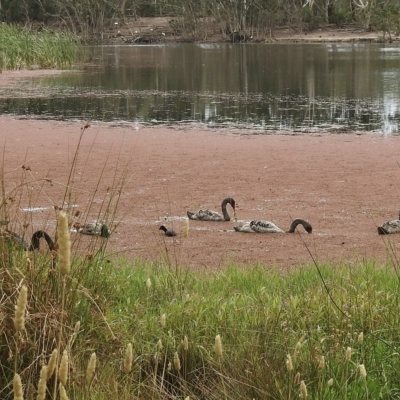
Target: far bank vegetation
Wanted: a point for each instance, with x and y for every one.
(193, 20)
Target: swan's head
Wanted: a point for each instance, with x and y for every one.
(163, 228)
(232, 203)
(308, 228)
(104, 231)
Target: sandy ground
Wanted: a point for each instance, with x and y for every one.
(344, 185)
(161, 30)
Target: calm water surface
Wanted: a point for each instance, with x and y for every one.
(262, 87)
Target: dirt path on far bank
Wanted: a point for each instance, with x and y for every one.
(167, 30)
(344, 185)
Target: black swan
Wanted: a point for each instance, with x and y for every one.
(166, 231)
(389, 227)
(96, 229)
(209, 215)
(35, 241)
(270, 227)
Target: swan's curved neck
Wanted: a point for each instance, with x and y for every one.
(36, 237)
(224, 210)
(296, 222)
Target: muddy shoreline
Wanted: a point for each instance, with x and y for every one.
(344, 185)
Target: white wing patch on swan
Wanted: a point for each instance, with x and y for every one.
(265, 227)
(391, 226)
(259, 227)
(208, 215)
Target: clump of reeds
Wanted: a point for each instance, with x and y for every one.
(23, 48)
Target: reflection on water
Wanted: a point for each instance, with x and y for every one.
(264, 87)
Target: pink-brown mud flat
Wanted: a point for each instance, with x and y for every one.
(344, 185)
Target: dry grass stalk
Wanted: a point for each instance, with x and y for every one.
(17, 386)
(63, 371)
(20, 307)
(64, 244)
(185, 231)
(91, 368)
(127, 366)
(42, 384)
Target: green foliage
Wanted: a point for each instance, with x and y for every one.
(276, 329)
(21, 48)
(258, 18)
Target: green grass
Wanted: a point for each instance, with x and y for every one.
(262, 317)
(22, 48)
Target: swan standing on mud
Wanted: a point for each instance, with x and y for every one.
(210, 215)
(257, 226)
(390, 227)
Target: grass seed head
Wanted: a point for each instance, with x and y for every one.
(17, 387)
(360, 338)
(177, 362)
(348, 354)
(321, 363)
(63, 393)
(163, 320)
(289, 363)
(91, 368)
(127, 366)
(51, 366)
(185, 343)
(363, 371)
(297, 349)
(20, 307)
(303, 390)
(330, 382)
(63, 371)
(218, 346)
(148, 283)
(42, 384)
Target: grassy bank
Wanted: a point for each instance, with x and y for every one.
(22, 48)
(160, 332)
(91, 326)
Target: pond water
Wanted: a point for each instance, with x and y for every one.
(263, 87)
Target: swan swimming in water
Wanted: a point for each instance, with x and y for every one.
(35, 241)
(388, 227)
(96, 229)
(270, 227)
(210, 215)
(167, 231)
